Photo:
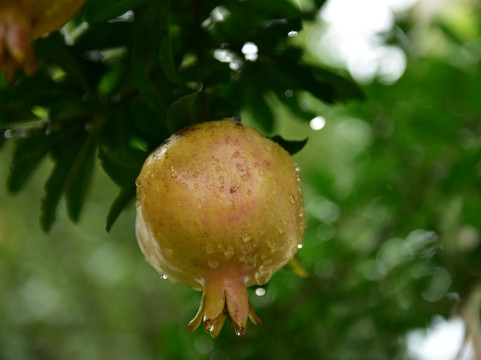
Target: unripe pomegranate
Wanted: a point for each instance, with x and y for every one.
(22, 21)
(219, 208)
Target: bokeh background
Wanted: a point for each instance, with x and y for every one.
(392, 186)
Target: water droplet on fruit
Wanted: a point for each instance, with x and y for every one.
(221, 179)
(263, 269)
(245, 237)
(173, 174)
(213, 264)
(229, 252)
(179, 202)
(209, 248)
(298, 169)
(169, 252)
(165, 277)
(245, 177)
(246, 248)
(251, 262)
(273, 245)
(299, 246)
(292, 199)
(267, 262)
(261, 172)
(184, 185)
(238, 333)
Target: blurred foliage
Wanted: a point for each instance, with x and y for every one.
(392, 183)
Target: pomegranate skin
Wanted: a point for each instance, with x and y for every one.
(219, 208)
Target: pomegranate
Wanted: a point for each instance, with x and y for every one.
(22, 21)
(219, 208)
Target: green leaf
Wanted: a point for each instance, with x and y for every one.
(72, 157)
(105, 35)
(27, 156)
(80, 182)
(122, 164)
(345, 88)
(71, 59)
(209, 72)
(291, 146)
(319, 3)
(184, 111)
(167, 60)
(276, 30)
(296, 266)
(68, 110)
(126, 194)
(103, 10)
(149, 124)
(258, 109)
(144, 84)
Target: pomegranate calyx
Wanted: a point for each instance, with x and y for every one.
(227, 300)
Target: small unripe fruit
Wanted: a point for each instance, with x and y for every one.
(219, 208)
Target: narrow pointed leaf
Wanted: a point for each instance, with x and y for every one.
(291, 146)
(126, 194)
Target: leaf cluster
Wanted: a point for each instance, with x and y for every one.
(124, 75)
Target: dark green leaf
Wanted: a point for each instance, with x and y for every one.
(184, 111)
(79, 183)
(258, 109)
(273, 31)
(121, 164)
(209, 72)
(70, 158)
(103, 10)
(167, 60)
(72, 60)
(319, 3)
(126, 194)
(144, 84)
(68, 110)
(27, 156)
(149, 124)
(345, 88)
(105, 36)
(291, 146)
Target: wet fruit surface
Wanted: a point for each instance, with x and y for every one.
(21, 22)
(219, 208)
